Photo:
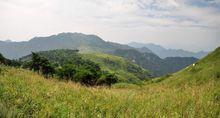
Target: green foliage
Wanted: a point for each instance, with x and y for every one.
(107, 79)
(41, 64)
(66, 72)
(86, 77)
(36, 62)
(125, 70)
(68, 66)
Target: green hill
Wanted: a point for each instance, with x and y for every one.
(192, 92)
(124, 69)
(201, 72)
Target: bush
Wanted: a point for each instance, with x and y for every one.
(66, 72)
(86, 77)
(107, 79)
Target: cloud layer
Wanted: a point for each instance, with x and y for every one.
(188, 24)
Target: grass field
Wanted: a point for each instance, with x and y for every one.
(192, 92)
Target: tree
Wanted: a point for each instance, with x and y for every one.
(66, 72)
(41, 64)
(36, 62)
(107, 79)
(87, 73)
(47, 70)
(86, 77)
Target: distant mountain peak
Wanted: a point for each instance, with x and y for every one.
(163, 52)
(83, 42)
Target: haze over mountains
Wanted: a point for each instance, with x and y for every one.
(163, 52)
(85, 43)
(143, 57)
(82, 42)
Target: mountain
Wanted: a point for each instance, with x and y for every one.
(192, 92)
(124, 69)
(82, 42)
(163, 52)
(154, 63)
(92, 44)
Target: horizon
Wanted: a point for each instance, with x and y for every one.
(191, 25)
(168, 48)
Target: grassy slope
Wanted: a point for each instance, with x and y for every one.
(204, 71)
(193, 92)
(124, 69)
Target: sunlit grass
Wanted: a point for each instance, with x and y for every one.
(24, 93)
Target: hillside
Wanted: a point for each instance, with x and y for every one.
(203, 71)
(192, 92)
(163, 52)
(82, 42)
(124, 69)
(154, 63)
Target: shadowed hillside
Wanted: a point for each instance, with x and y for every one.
(154, 63)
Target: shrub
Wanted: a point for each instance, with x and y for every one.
(86, 77)
(107, 79)
(66, 72)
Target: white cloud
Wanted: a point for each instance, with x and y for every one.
(116, 20)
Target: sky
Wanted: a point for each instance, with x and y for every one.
(192, 25)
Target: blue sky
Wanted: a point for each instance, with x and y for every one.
(187, 24)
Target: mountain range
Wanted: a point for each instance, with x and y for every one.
(163, 52)
(82, 42)
(144, 57)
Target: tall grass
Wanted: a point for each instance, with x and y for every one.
(26, 94)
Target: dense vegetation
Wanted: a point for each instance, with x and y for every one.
(192, 92)
(75, 69)
(125, 70)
